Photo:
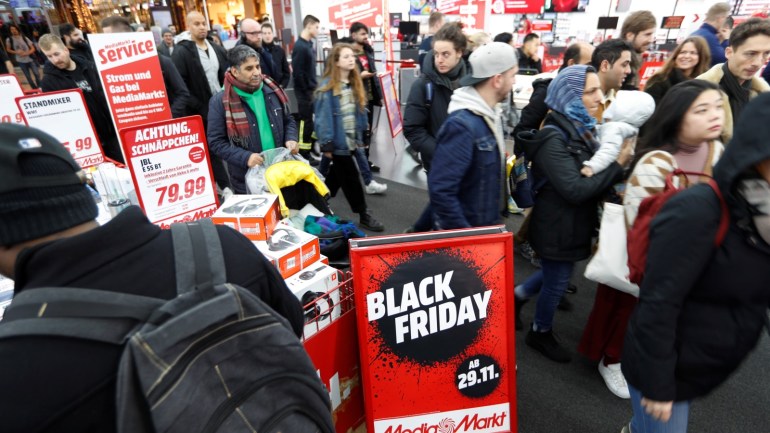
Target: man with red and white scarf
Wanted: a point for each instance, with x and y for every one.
(249, 116)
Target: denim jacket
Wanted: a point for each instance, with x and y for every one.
(329, 128)
(465, 180)
(282, 124)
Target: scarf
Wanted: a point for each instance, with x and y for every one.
(739, 94)
(565, 96)
(238, 130)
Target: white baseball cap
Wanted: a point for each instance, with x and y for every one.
(489, 60)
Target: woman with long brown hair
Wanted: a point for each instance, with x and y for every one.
(340, 122)
(690, 59)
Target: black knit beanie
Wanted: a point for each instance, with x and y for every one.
(42, 188)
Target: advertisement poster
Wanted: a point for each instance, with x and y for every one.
(169, 163)
(500, 7)
(472, 12)
(131, 77)
(369, 12)
(565, 5)
(646, 72)
(49, 111)
(10, 89)
(435, 331)
(421, 7)
(392, 107)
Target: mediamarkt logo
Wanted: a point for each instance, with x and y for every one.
(448, 425)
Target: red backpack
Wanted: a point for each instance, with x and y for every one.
(639, 234)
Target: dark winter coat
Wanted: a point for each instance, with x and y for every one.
(188, 64)
(533, 114)
(565, 216)
(178, 95)
(266, 61)
(281, 123)
(526, 62)
(702, 308)
(281, 71)
(657, 87)
(372, 84)
(709, 33)
(304, 70)
(423, 119)
(60, 385)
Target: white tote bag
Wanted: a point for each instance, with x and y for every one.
(609, 265)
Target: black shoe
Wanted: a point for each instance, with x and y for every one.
(545, 343)
(368, 222)
(565, 304)
(374, 168)
(571, 289)
(518, 303)
(414, 154)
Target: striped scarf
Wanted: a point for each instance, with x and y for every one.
(238, 130)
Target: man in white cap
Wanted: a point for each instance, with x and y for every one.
(467, 180)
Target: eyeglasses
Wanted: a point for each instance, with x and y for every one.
(252, 33)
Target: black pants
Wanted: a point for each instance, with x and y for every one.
(344, 174)
(305, 121)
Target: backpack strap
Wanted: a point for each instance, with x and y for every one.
(70, 312)
(198, 256)
(724, 220)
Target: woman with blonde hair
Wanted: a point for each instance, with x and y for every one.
(690, 59)
(474, 41)
(340, 122)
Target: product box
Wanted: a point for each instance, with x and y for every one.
(290, 248)
(323, 259)
(316, 283)
(254, 215)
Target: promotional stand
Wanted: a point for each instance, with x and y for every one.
(10, 89)
(435, 319)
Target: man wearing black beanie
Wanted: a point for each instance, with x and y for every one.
(49, 238)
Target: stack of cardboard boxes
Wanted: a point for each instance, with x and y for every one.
(295, 253)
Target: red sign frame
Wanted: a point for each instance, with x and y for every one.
(13, 117)
(508, 7)
(390, 100)
(396, 385)
(342, 15)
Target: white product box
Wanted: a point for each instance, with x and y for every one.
(317, 283)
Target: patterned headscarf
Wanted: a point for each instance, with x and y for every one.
(565, 96)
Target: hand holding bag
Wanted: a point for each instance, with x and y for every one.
(609, 265)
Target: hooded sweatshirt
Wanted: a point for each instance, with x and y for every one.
(622, 120)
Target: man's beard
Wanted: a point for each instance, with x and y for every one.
(255, 45)
(81, 44)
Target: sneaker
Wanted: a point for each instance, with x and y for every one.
(614, 379)
(526, 251)
(571, 289)
(535, 261)
(414, 154)
(565, 304)
(374, 168)
(517, 304)
(626, 428)
(368, 222)
(409, 229)
(545, 343)
(513, 208)
(375, 187)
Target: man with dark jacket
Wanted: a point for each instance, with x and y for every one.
(303, 63)
(166, 46)
(435, 22)
(639, 31)
(49, 238)
(64, 72)
(249, 116)
(251, 35)
(75, 42)
(176, 90)
(528, 58)
(711, 28)
(466, 182)
(281, 71)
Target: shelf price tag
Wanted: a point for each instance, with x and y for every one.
(10, 89)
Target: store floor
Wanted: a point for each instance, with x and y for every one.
(572, 397)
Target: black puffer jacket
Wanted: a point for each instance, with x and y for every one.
(533, 114)
(423, 118)
(701, 308)
(657, 87)
(188, 64)
(564, 217)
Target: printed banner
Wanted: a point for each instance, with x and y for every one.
(392, 107)
(500, 7)
(646, 72)
(435, 332)
(10, 89)
(169, 164)
(49, 111)
(472, 12)
(131, 77)
(421, 7)
(369, 12)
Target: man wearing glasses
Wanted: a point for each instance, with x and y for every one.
(251, 35)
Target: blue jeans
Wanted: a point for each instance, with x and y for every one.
(551, 281)
(642, 422)
(363, 165)
(425, 221)
(31, 69)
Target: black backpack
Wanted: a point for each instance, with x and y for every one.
(214, 359)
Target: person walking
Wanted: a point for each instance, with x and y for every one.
(23, 49)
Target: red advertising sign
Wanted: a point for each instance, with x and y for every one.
(131, 77)
(674, 22)
(10, 89)
(647, 70)
(369, 12)
(434, 328)
(392, 107)
(49, 111)
(542, 25)
(500, 7)
(472, 12)
(169, 164)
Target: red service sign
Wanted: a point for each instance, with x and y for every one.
(500, 7)
(346, 13)
(169, 164)
(646, 72)
(542, 25)
(49, 111)
(10, 89)
(435, 314)
(131, 77)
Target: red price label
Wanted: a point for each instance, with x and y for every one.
(7, 119)
(175, 192)
(80, 145)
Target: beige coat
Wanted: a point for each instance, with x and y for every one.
(714, 75)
